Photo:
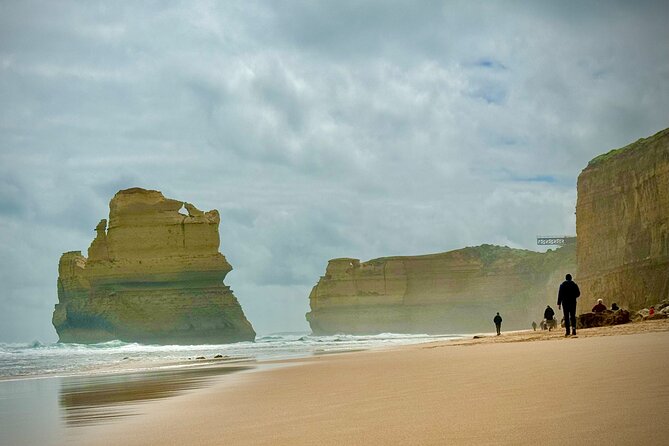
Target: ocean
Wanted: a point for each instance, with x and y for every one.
(49, 391)
(49, 360)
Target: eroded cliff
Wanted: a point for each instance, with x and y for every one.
(622, 223)
(451, 292)
(153, 275)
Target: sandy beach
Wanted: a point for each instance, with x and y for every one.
(606, 386)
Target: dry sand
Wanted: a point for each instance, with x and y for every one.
(607, 386)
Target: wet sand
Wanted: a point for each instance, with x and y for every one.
(606, 386)
(49, 410)
(91, 400)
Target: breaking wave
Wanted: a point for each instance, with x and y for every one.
(63, 359)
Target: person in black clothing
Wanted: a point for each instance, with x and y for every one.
(567, 296)
(614, 306)
(549, 313)
(498, 323)
(600, 307)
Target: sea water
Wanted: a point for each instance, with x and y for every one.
(48, 392)
(60, 359)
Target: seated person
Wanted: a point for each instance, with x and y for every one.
(614, 306)
(599, 308)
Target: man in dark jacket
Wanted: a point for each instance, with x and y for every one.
(498, 323)
(549, 313)
(567, 296)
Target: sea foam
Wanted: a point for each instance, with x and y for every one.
(62, 359)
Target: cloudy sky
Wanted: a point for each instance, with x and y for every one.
(317, 129)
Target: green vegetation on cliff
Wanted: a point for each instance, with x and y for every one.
(638, 145)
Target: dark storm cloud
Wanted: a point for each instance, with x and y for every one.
(318, 129)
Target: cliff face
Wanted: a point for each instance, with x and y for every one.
(152, 275)
(622, 223)
(456, 291)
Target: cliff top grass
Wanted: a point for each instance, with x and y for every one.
(489, 256)
(486, 252)
(639, 144)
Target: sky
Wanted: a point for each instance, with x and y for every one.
(318, 129)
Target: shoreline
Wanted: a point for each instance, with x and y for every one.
(52, 361)
(141, 366)
(128, 369)
(473, 391)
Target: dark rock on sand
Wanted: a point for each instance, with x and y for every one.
(608, 317)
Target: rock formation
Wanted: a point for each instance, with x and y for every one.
(622, 224)
(661, 311)
(153, 275)
(451, 292)
(608, 317)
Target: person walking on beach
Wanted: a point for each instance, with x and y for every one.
(498, 323)
(567, 296)
(534, 326)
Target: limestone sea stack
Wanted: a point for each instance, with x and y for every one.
(153, 275)
(452, 292)
(622, 224)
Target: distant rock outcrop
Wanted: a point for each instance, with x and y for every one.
(152, 275)
(456, 291)
(622, 224)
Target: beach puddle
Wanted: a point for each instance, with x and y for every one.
(102, 399)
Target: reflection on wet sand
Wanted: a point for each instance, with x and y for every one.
(335, 352)
(99, 399)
